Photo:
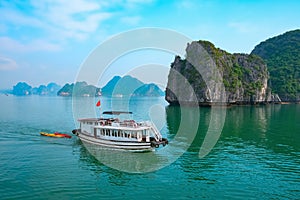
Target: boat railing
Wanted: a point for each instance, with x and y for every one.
(134, 124)
(158, 136)
(126, 123)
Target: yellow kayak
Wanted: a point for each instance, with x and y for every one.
(56, 134)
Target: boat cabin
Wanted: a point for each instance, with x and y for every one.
(112, 130)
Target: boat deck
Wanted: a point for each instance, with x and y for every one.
(115, 123)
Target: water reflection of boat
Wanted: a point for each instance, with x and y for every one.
(120, 134)
(127, 161)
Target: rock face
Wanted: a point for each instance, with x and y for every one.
(210, 75)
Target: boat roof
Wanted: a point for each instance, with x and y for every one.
(115, 112)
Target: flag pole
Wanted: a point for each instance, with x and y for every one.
(98, 104)
(100, 112)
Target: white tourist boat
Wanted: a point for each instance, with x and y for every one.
(120, 134)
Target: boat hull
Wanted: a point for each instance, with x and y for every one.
(114, 144)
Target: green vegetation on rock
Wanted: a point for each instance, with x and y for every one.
(282, 55)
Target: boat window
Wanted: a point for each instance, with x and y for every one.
(114, 133)
(133, 135)
(126, 134)
(139, 135)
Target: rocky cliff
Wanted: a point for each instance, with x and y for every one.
(209, 75)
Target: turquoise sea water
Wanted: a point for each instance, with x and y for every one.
(256, 157)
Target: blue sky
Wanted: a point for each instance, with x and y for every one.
(44, 41)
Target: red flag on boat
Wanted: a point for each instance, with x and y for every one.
(98, 103)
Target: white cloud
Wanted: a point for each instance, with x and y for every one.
(131, 20)
(132, 4)
(48, 25)
(9, 44)
(62, 19)
(18, 19)
(66, 6)
(71, 19)
(3, 28)
(139, 1)
(7, 64)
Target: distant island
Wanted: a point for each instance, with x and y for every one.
(23, 89)
(130, 86)
(117, 87)
(270, 74)
(126, 86)
(79, 89)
